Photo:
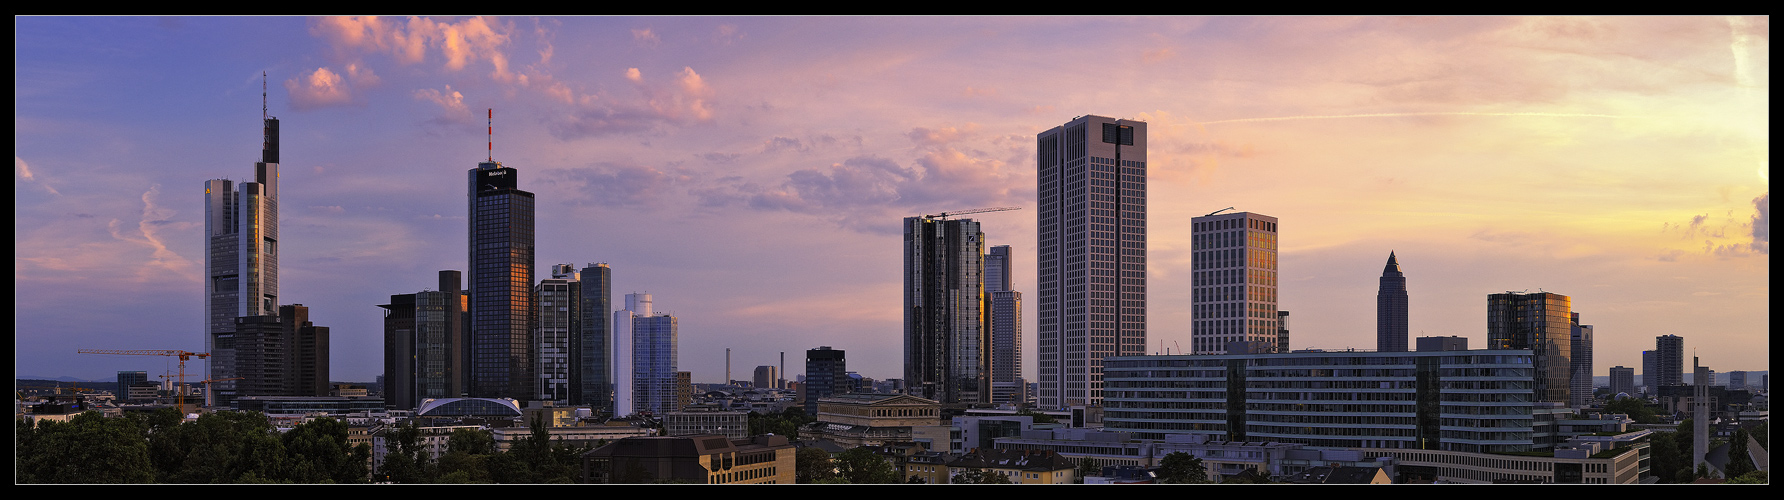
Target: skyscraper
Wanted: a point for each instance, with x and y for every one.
(501, 282)
(424, 344)
(1669, 362)
(591, 378)
(946, 349)
(1091, 258)
(1650, 369)
(1581, 385)
(282, 354)
(1541, 323)
(826, 374)
(554, 332)
(653, 355)
(1004, 310)
(242, 259)
(1234, 291)
(1390, 309)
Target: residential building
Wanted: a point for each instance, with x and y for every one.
(424, 344)
(592, 376)
(555, 330)
(1469, 400)
(1234, 294)
(1391, 309)
(501, 249)
(1580, 376)
(699, 459)
(1019, 467)
(1669, 361)
(946, 349)
(1091, 254)
(1541, 323)
(684, 390)
(826, 374)
(1282, 331)
(241, 262)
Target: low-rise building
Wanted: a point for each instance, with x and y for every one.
(854, 420)
(701, 459)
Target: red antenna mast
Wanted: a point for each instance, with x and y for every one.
(492, 134)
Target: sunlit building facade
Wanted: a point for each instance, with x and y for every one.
(1091, 254)
(241, 261)
(501, 283)
(1234, 295)
(1541, 323)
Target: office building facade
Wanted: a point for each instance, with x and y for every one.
(1581, 373)
(424, 344)
(1447, 400)
(501, 283)
(1622, 381)
(1391, 309)
(946, 346)
(654, 352)
(555, 331)
(826, 374)
(592, 376)
(1541, 323)
(282, 354)
(1091, 254)
(242, 257)
(1234, 294)
(1004, 310)
(767, 377)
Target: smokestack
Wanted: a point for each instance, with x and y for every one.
(780, 379)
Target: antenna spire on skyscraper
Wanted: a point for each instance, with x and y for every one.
(492, 134)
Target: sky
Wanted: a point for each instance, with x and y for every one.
(751, 173)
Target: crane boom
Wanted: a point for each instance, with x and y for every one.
(183, 355)
(944, 215)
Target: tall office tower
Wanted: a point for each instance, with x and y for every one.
(1541, 323)
(767, 377)
(282, 354)
(946, 351)
(684, 390)
(241, 228)
(554, 332)
(1390, 309)
(591, 378)
(1622, 380)
(1669, 361)
(637, 305)
(424, 344)
(1234, 295)
(826, 374)
(1004, 311)
(653, 356)
(1091, 257)
(501, 281)
(1581, 377)
(1650, 369)
(1282, 331)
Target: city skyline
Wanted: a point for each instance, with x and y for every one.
(757, 169)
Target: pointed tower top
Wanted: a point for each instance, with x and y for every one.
(1393, 264)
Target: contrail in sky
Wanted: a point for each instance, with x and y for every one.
(1435, 113)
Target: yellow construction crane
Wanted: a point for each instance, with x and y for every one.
(944, 215)
(183, 355)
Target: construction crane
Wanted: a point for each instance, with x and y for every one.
(183, 355)
(944, 215)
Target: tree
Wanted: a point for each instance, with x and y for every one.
(813, 464)
(1739, 462)
(1636, 408)
(1182, 468)
(319, 453)
(1666, 460)
(1755, 477)
(863, 466)
(88, 448)
(1087, 468)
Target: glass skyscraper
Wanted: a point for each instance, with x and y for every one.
(501, 283)
(591, 378)
(1541, 323)
(1004, 310)
(242, 258)
(1091, 261)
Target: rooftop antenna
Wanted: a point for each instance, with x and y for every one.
(262, 96)
(1219, 211)
(492, 134)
